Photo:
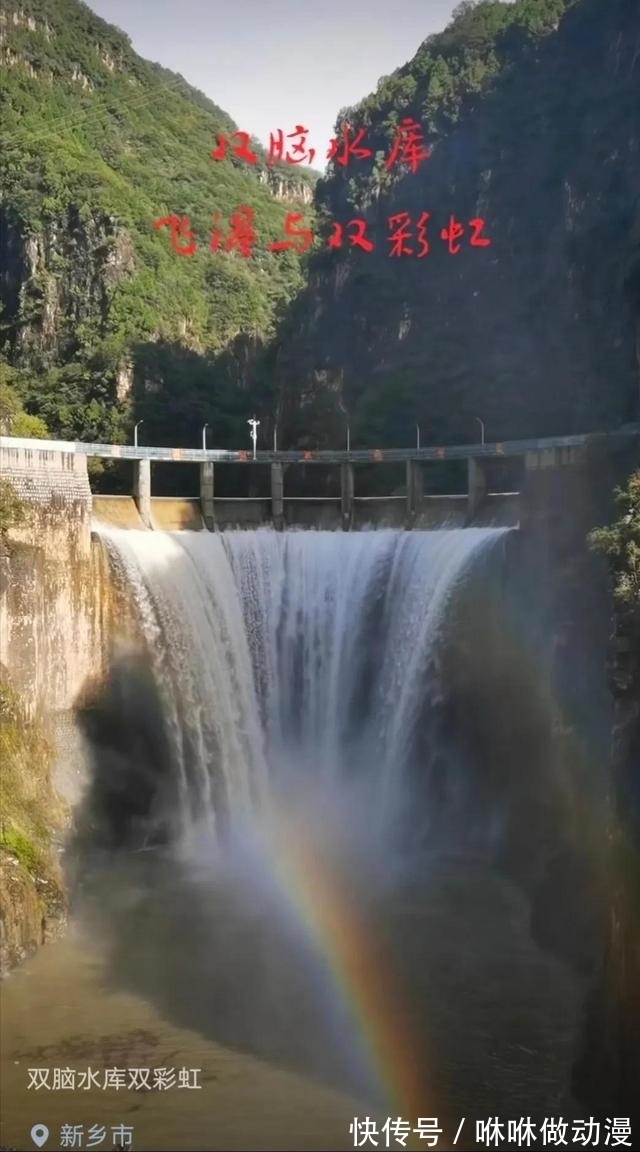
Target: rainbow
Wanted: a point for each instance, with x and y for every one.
(361, 968)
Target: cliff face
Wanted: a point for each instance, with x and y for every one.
(618, 1021)
(609, 1070)
(59, 279)
(538, 333)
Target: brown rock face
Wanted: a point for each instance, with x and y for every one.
(22, 914)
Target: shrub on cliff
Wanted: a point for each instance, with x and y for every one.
(12, 510)
(27, 802)
(14, 421)
(30, 813)
(620, 543)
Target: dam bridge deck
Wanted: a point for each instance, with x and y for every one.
(501, 449)
(410, 506)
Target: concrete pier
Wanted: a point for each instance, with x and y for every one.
(346, 495)
(554, 458)
(207, 494)
(555, 479)
(415, 490)
(478, 486)
(142, 490)
(277, 496)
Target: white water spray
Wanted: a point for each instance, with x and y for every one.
(294, 661)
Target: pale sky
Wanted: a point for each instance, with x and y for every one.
(276, 63)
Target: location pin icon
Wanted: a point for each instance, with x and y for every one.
(39, 1134)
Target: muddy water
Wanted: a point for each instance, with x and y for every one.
(57, 1013)
(153, 988)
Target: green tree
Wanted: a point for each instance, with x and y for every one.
(14, 420)
(463, 8)
(620, 543)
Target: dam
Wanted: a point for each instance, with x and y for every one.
(334, 818)
(485, 499)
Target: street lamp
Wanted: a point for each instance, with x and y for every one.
(204, 438)
(254, 433)
(275, 437)
(418, 437)
(479, 421)
(348, 439)
(135, 433)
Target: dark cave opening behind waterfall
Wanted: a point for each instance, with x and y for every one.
(367, 693)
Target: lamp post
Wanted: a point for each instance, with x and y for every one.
(275, 437)
(348, 438)
(135, 433)
(204, 438)
(254, 433)
(418, 437)
(480, 422)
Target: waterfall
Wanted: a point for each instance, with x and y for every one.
(300, 792)
(290, 661)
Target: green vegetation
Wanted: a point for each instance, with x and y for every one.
(12, 510)
(620, 543)
(28, 807)
(31, 888)
(531, 111)
(443, 81)
(14, 420)
(22, 848)
(96, 144)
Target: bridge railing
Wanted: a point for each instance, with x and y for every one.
(507, 448)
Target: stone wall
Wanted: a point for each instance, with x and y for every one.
(53, 480)
(51, 586)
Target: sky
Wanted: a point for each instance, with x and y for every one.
(274, 64)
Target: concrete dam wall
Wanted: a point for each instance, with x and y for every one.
(50, 623)
(55, 590)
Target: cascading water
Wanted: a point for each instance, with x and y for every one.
(270, 772)
(294, 659)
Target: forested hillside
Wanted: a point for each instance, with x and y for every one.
(95, 305)
(532, 115)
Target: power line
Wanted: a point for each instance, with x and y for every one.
(72, 122)
(91, 115)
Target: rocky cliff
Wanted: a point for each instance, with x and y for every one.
(609, 1070)
(532, 115)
